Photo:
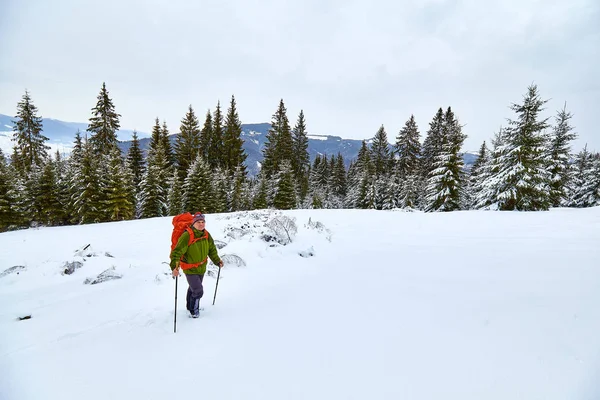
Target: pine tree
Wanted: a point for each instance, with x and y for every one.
(164, 137)
(444, 184)
(380, 153)
(87, 194)
(48, 196)
(278, 145)
(187, 144)
(476, 177)
(238, 192)
(319, 182)
(198, 193)
(135, 161)
(10, 217)
(154, 188)
(156, 137)
(104, 124)
(120, 204)
(30, 149)
(206, 135)
(586, 180)
(259, 201)
(285, 198)
(560, 155)
(233, 151)
(338, 181)
(220, 183)
(432, 146)
(301, 159)
(408, 148)
(486, 192)
(523, 179)
(215, 149)
(360, 180)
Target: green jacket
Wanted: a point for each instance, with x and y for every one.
(196, 253)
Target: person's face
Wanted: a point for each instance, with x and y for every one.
(199, 224)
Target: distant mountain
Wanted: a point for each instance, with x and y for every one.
(255, 137)
(62, 135)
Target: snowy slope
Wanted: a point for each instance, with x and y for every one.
(462, 305)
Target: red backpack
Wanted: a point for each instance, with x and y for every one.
(182, 223)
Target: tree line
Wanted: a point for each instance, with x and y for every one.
(528, 167)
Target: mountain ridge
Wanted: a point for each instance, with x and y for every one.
(61, 135)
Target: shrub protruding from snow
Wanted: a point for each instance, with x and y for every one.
(107, 275)
(10, 270)
(283, 229)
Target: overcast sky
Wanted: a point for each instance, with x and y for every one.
(351, 66)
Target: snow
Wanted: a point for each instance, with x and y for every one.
(8, 126)
(317, 137)
(383, 305)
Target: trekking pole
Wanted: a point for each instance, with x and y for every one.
(175, 321)
(217, 286)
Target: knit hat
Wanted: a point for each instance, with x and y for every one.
(198, 217)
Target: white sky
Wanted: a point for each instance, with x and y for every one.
(351, 66)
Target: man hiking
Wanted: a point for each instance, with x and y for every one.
(191, 253)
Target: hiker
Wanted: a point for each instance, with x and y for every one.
(192, 256)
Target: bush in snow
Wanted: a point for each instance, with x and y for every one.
(70, 267)
(283, 230)
(10, 270)
(319, 227)
(107, 275)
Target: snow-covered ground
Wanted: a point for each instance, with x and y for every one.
(382, 305)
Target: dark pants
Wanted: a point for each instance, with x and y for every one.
(194, 292)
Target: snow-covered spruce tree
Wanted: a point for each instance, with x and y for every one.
(238, 190)
(198, 191)
(338, 182)
(474, 182)
(285, 198)
(444, 184)
(135, 161)
(155, 136)
(50, 212)
(360, 181)
(169, 153)
(206, 134)
(175, 196)
(259, 198)
(234, 155)
(10, 216)
(586, 180)
(407, 172)
(60, 165)
(30, 148)
(278, 145)
(103, 124)
(154, 186)
(301, 158)
(319, 182)
(120, 203)
(380, 153)
(523, 178)
(215, 148)
(408, 148)
(559, 166)
(187, 142)
(86, 187)
(432, 145)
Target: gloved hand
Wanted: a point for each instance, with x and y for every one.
(221, 264)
